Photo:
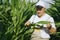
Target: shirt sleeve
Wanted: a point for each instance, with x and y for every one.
(52, 22)
(32, 19)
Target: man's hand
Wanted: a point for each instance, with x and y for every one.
(49, 26)
(51, 30)
(27, 23)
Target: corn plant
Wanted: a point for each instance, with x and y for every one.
(12, 17)
(54, 11)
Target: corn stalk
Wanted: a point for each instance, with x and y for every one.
(13, 16)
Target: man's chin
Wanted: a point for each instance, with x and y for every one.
(39, 15)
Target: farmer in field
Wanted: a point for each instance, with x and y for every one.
(40, 34)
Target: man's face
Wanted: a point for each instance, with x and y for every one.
(40, 11)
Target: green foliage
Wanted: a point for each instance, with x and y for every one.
(54, 11)
(14, 14)
(41, 23)
(12, 18)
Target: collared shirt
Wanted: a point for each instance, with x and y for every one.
(46, 17)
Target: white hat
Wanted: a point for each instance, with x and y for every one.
(45, 3)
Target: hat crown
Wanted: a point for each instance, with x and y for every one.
(45, 3)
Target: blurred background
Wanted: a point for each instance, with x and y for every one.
(14, 13)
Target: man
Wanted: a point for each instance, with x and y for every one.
(40, 34)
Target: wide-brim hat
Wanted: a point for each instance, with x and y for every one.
(45, 3)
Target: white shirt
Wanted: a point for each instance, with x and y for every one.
(46, 17)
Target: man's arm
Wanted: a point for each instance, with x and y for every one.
(30, 20)
(27, 23)
(51, 29)
(51, 26)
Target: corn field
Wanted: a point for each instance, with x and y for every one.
(14, 14)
